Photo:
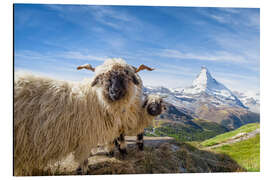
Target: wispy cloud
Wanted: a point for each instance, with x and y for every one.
(105, 15)
(60, 65)
(246, 46)
(235, 17)
(174, 40)
(165, 80)
(110, 17)
(80, 56)
(57, 56)
(210, 56)
(240, 84)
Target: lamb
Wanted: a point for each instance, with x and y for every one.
(54, 118)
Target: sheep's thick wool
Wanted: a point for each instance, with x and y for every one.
(54, 118)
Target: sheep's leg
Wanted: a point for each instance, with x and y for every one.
(111, 148)
(81, 156)
(122, 147)
(140, 141)
(83, 167)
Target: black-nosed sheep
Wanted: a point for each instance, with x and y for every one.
(54, 118)
(141, 116)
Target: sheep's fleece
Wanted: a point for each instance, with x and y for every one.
(54, 118)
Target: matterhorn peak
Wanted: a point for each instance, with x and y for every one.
(206, 84)
(204, 79)
(203, 67)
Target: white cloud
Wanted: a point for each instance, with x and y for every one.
(246, 46)
(236, 17)
(165, 80)
(59, 73)
(80, 56)
(231, 10)
(206, 56)
(239, 84)
(105, 15)
(57, 56)
(219, 18)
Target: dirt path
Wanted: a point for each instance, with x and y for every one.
(237, 138)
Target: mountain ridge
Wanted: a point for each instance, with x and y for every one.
(207, 99)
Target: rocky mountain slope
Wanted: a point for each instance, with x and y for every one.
(250, 99)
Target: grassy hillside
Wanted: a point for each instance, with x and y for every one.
(196, 130)
(229, 117)
(223, 137)
(246, 153)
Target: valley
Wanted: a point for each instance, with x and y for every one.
(211, 117)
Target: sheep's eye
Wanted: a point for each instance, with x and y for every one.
(126, 71)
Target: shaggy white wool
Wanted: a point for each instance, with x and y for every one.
(54, 118)
(107, 65)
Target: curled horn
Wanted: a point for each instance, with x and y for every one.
(86, 66)
(143, 67)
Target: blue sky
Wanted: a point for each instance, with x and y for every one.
(54, 39)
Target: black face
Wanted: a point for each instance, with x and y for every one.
(154, 109)
(117, 86)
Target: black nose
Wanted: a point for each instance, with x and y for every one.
(154, 109)
(115, 93)
(117, 88)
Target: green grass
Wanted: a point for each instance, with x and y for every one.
(246, 153)
(224, 137)
(198, 130)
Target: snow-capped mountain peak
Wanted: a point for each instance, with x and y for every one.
(206, 83)
(204, 79)
(204, 89)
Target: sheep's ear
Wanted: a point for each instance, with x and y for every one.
(86, 66)
(143, 67)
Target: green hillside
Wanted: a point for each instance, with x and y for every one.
(196, 130)
(246, 153)
(223, 137)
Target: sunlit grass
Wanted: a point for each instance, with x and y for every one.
(224, 137)
(246, 153)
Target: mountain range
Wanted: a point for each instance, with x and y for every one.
(209, 100)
